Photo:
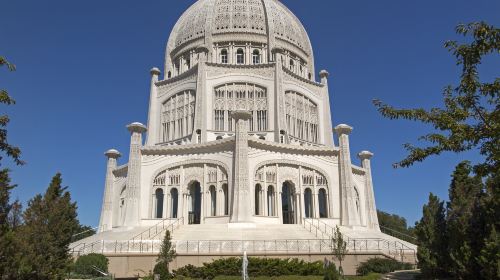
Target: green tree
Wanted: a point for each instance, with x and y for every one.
(339, 248)
(470, 118)
(166, 256)
(396, 226)
(49, 224)
(464, 192)
(430, 231)
(8, 245)
(83, 232)
(8, 149)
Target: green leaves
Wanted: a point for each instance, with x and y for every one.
(470, 117)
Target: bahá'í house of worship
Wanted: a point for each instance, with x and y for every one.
(238, 152)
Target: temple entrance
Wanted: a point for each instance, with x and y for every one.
(288, 203)
(194, 215)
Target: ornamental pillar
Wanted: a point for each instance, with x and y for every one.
(154, 115)
(241, 204)
(106, 220)
(371, 209)
(327, 115)
(132, 199)
(349, 214)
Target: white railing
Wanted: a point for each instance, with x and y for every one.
(148, 239)
(220, 247)
(393, 248)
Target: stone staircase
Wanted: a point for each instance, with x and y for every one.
(401, 275)
(259, 232)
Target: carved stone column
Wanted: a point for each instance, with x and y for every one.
(154, 114)
(326, 124)
(132, 200)
(371, 209)
(349, 215)
(106, 221)
(241, 205)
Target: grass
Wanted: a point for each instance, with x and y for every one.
(371, 276)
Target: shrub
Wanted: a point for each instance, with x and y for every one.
(84, 264)
(331, 272)
(256, 267)
(379, 265)
(162, 270)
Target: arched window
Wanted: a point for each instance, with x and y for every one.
(308, 207)
(169, 75)
(223, 56)
(218, 138)
(322, 203)
(240, 56)
(213, 201)
(174, 202)
(123, 193)
(271, 201)
(309, 76)
(256, 57)
(226, 199)
(159, 203)
(258, 192)
(291, 65)
(188, 62)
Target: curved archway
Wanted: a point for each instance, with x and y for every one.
(322, 203)
(226, 199)
(213, 201)
(158, 213)
(174, 202)
(271, 201)
(308, 206)
(257, 200)
(194, 202)
(288, 203)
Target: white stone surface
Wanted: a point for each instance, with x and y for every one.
(206, 172)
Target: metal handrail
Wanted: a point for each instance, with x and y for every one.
(394, 245)
(400, 233)
(156, 229)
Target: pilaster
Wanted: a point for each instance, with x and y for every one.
(132, 200)
(106, 220)
(241, 207)
(349, 215)
(371, 209)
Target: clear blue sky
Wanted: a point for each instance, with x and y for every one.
(83, 74)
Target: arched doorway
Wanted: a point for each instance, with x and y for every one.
(323, 203)
(194, 214)
(258, 192)
(226, 199)
(270, 201)
(213, 201)
(288, 203)
(159, 203)
(174, 202)
(308, 207)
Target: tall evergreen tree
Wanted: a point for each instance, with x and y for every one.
(430, 231)
(166, 256)
(49, 224)
(464, 193)
(8, 245)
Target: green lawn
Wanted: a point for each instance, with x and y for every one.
(373, 276)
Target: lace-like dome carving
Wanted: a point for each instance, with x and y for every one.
(217, 17)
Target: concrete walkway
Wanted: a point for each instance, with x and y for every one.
(401, 275)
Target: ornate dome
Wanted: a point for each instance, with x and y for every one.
(267, 21)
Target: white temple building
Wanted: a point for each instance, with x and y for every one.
(239, 146)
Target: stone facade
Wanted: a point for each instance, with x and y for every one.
(239, 131)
